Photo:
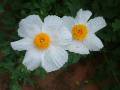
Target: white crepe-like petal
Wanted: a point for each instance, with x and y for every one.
(83, 16)
(54, 59)
(30, 26)
(59, 36)
(68, 21)
(96, 24)
(63, 36)
(78, 47)
(52, 24)
(93, 43)
(53, 20)
(33, 59)
(23, 44)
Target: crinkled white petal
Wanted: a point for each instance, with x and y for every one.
(83, 16)
(68, 21)
(53, 20)
(23, 44)
(33, 59)
(63, 36)
(30, 26)
(78, 47)
(96, 24)
(93, 43)
(54, 59)
(60, 36)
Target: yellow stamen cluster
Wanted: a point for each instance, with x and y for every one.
(42, 41)
(79, 32)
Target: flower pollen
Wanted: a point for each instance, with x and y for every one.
(79, 32)
(42, 41)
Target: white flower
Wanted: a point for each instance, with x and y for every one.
(83, 32)
(43, 42)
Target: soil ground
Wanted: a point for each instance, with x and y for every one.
(74, 78)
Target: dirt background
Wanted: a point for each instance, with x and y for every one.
(76, 77)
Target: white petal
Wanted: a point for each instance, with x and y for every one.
(83, 16)
(33, 59)
(62, 37)
(68, 21)
(93, 43)
(30, 26)
(59, 36)
(96, 24)
(52, 24)
(53, 21)
(23, 44)
(54, 59)
(78, 47)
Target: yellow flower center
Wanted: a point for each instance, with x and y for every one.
(42, 41)
(79, 32)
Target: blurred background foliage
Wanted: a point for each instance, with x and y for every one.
(12, 11)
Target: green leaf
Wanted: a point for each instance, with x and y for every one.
(73, 58)
(116, 25)
(40, 72)
(1, 8)
(14, 85)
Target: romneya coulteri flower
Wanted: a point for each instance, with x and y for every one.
(43, 42)
(83, 32)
